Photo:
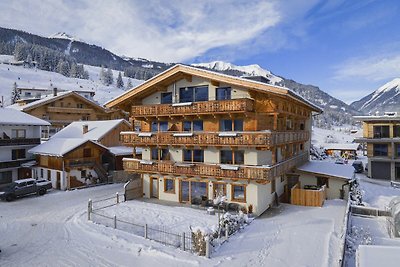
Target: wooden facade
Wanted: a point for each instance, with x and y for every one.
(61, 110)
(268, 125)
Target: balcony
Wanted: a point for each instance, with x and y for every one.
(219, 171)
(194, 108)
(19, 141)
(265, 139)
(69, 110)
(80, 162)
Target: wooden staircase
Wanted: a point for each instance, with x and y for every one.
(101, 172)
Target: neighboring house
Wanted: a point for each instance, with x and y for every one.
(33, 94)
(348, 150)
(382, 136)
(205, 134)
(82, 153)
(19, 132)
(60, 109)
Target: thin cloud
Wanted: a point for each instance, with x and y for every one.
(159, 30)
(373, 68)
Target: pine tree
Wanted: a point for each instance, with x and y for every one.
(120, 82)
(74, 72)
(110, 78)
(102, 75)
(15, 94)
(129, 85)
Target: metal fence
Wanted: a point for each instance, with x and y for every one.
(153, 232)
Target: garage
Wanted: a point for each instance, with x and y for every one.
(380, 170)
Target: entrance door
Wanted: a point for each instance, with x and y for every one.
(154, 188)
(58, 182)
(185, 197)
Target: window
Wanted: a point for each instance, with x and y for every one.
(5, 177)
(396, 131)
(18, 154)
(61, 104)
(323, 181)
(18, 133)
(193, 94)
(28, 93)
(85, 118)
(193, 126)
(302, 126)
(219, 189)
(294, 149)
(79, 105)
(397, 150)
(223, 93)
(87, 152)
(282, 178)
(397, 171)
(169, 185)
(381, 131)
(166, 98)
(238, 193)
(229, 125)
(232, 156)
(380, 149)
(159, 126)
(301, 147)
(159, 154)
(41, 173)
(193, 155)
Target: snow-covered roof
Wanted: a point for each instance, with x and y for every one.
(345, 146)
(123, 150)
(60, 146)
(51, 98)
(343, 171)
(371, 255)
(96, 129)
(16, 117)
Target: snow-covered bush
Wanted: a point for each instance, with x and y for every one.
(232, 222)
(356, 194)
(200, 236)
(357, 236)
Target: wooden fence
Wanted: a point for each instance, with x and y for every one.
(305, 197)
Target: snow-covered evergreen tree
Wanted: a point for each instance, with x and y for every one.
(129, 84)
(109, 76)
(120, 82)
(15, 94)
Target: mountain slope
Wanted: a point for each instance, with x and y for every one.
(82, 52)
(385, 98)
(336, 112)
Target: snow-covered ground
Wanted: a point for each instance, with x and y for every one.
(53, 230)
(35, 78)
(371, 230)
(337, 135)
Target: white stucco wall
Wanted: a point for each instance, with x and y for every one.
(335, 184)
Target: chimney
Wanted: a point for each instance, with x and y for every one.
(85, 128)
(54, 91)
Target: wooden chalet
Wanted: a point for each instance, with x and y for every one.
(205, 134)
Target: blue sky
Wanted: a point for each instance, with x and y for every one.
(347, 48)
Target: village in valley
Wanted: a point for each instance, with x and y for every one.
(118, 161)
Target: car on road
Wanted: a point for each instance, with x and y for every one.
(24, 187)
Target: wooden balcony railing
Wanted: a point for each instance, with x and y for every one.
(195, 108)
(213, 170)
(77, 162)
(252, 139)
(19, 141)
(69, 110)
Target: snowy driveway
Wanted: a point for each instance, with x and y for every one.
(53, 231)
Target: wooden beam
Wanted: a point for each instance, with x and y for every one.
(214, 83)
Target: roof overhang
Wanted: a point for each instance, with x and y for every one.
(178, 72)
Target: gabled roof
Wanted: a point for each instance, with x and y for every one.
(58, 147)
(51, 98)
(96, 129)
(15, 117)
(180, 71)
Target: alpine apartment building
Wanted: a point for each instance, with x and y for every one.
(382, 136)
(205, 134)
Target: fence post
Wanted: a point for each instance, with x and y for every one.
(115, 221)
(117, 198)
(145, 231)
(207, 248)
(183, 241)
(227, 232)
(89, 208)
